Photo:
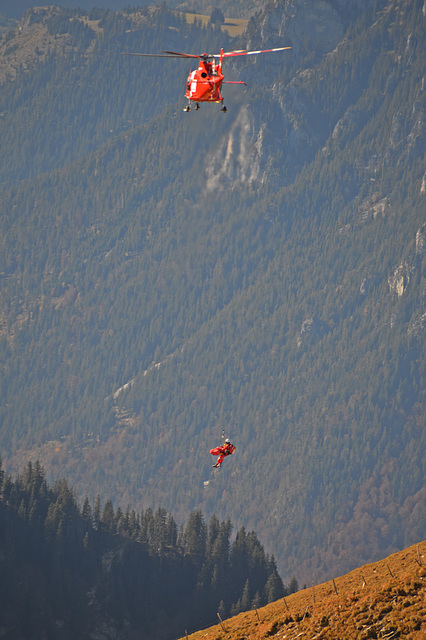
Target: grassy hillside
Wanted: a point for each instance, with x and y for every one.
(385, 599)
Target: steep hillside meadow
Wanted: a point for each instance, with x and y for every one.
(385, 599)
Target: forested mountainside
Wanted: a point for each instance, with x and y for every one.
(71, 570)
(165, 276)
(231, 8)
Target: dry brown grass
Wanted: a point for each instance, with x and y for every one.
(385, 600)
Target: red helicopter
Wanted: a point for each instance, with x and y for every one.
(203, 84)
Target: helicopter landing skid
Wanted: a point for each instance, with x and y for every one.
(187, 109)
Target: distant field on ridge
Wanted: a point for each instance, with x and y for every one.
(233, 26)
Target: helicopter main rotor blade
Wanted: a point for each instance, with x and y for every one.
(229, 54)
(185, 55)
(153, 55)
(203, 56)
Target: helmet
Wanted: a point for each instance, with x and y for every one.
(228, 441)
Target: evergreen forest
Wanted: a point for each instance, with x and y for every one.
(165, 276)
(74, 571)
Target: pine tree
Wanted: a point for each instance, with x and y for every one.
(195, 537)
(293, 585)
(108, 517)
(246, 597)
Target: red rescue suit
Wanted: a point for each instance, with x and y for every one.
(226, 449)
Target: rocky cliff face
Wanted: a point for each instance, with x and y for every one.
(309, 25)
(311, 29)
(299, 122)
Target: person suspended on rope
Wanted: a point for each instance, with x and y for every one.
(226, 449)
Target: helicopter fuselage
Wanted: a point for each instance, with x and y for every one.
(203, 84)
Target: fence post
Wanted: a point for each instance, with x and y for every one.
(221, 623)
(335, 588)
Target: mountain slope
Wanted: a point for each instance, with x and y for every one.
(165, 277)
(380, 600)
